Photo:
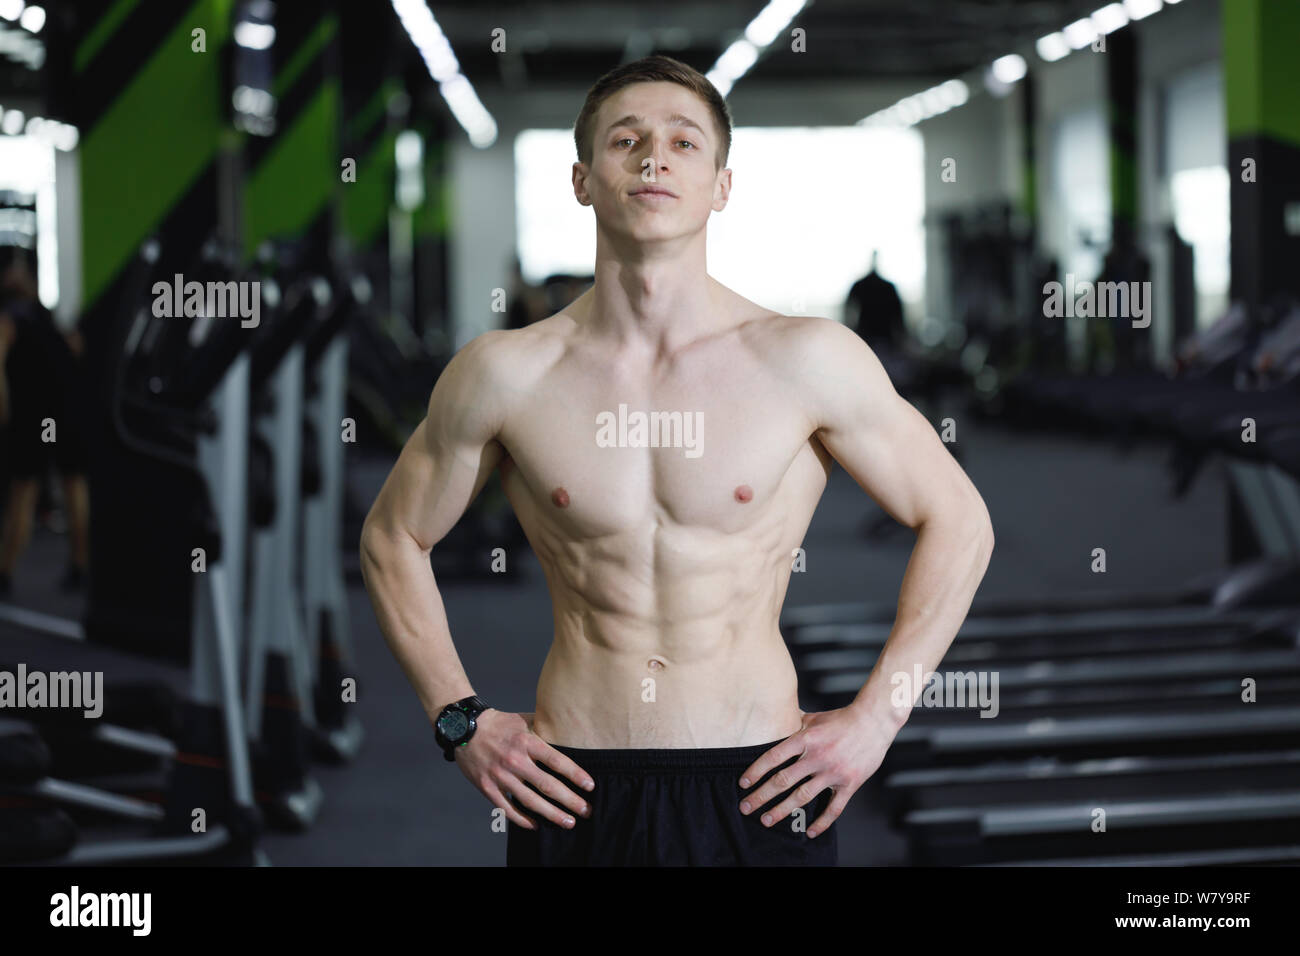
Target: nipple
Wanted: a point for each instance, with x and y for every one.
(560, 498)
(744, 493)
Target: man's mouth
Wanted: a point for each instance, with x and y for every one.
(654, 192)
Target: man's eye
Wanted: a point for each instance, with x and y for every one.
(687, 142)
(625, 139)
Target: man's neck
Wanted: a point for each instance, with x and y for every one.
(658, 296)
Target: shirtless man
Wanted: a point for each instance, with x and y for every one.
(667, 713)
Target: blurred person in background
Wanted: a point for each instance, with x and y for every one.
(41, 417)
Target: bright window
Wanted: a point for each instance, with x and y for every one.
(808, 206)
(1078, 221)
(27, 166)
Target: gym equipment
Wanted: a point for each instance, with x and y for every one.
(29, 830)
(278, 697)
(338, 731)
(298, 645)
(1215, 820)
(1129, 701)
(181, 401)
(1048, 778)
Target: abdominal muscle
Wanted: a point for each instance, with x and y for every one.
(651, 653)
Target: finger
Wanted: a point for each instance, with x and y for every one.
(831, 813)
(535, 802)
(792, 746)
(777, 784)
(801, 796)
(501, 801)
(561, 763)
(554, 788)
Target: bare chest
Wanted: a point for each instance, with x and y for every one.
(601, 452)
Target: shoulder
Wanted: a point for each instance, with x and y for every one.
(836, 375)
(494, 375)
(804, 344)
(510, 357)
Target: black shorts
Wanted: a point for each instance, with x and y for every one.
(46, 386)
(671, 808)
(30, 457)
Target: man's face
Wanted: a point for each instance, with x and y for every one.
(653, 173)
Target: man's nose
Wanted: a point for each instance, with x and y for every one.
(655, 152)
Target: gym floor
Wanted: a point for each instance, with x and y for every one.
(1052, 499)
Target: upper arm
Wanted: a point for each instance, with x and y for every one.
(449, 456)
(888, 447)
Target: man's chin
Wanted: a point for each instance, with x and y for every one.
(654, 227)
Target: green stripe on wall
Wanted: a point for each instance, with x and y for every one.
(369, 114)
(366, 202)
(104, 29)
(310, 49)
(433, 218)
(1029, 197)
(1123, 184)
(1260, 68)
(150, 145)
(298, 177)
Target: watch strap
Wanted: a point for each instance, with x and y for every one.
(472, 706)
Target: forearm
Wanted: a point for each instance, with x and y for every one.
(943, 574)
(412, 618)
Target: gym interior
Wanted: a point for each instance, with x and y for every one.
(1083, 217)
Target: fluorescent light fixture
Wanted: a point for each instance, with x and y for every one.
(66, 137)
(408, 154)
(995, 87)
(428, 38)
(443, 66)
(408, 149)
(771, 21)
(1140, 9)
(254, 36)
(740, 57)
(908, 111)
(469, 112)
(1052, 47)
(32, 19)
(737, 59)
(933, 102)
(1109, 18)
(1080, 33)
(911, 110)
(1009, 68)
(721, 83)
(955, 92)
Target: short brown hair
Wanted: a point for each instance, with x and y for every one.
(652, 69)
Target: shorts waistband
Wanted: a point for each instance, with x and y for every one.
(660, 760)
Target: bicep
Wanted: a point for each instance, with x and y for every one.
(445, 462)
(883, 442)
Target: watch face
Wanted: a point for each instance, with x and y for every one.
(454, 725)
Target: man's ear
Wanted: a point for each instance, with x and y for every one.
(722, 190)
(580, 184)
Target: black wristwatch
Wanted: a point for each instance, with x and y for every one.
(457, 723)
